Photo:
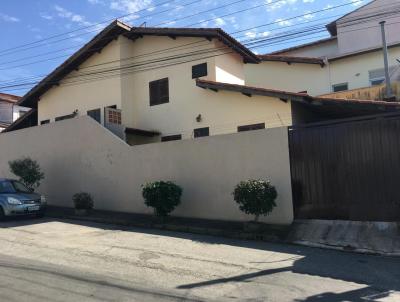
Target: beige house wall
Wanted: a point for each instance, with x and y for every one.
(368, 32)
(143, 61)
(295, 77)
(355, 70)
(83, 93)
(315, 80)
(80, 155)
(326, 49)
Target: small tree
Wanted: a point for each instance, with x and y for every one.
(28, 171)
(83, 201)
(163, 196)
(255, 197)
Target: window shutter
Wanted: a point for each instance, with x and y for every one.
(159, 92)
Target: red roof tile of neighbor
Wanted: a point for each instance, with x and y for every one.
(9, 98)
(286, 95)
(292, 59)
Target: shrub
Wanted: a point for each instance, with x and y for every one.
(83, 201)
(255, 197)
(28, 171)
(163, 196)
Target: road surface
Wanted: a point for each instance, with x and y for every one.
(61, 260)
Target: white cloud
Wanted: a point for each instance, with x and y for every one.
(46, 16)
(66, 14)
(273, 5)
(357, 2)
(130, 6)
(7, 18)
(219, 22)
(282, 22)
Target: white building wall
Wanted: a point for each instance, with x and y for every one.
(79, 155)
(83, 93)
(355, 35)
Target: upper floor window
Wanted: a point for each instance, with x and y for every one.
(199, 71)
(377, 76)
(159, 92)
(200, 132)
(340, 87)
(251, 127)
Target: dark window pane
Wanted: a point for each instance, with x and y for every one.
(171, 138)
(200, 132)
(251, 127)
(95, 114)
(340, 87)
(199, 71)
(159, 92)
(65, 117)
(44, 122)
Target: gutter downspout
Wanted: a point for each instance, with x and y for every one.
(386, 61)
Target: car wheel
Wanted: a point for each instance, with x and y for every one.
(2, 215)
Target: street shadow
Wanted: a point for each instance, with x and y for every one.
(12, 222)
(366, 294)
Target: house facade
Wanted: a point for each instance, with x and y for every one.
(9, 110)
(161, 84)
(337, 63)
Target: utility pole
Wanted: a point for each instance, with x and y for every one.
(385, 58)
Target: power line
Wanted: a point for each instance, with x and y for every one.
(264, 25)
(89, 26)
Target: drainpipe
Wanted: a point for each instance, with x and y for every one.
(386, 61)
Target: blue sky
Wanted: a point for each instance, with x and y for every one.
(29, 21)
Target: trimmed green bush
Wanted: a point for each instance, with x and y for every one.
(83, 201)
(28, 171)
(163, 196)
(255, 197)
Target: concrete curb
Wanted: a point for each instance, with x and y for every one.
(275, 234)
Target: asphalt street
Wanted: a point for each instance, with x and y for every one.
(60, 260)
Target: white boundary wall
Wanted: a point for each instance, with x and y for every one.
(80, 155)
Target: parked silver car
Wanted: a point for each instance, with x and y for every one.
(16, 199)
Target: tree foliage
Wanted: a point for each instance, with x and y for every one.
(163, 196)
(28, 171)
(255, 197)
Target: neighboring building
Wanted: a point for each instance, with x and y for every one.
(351, 58)
(161, 84)
(9, 111)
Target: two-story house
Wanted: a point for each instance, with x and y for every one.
(351, 58)
(161, 84)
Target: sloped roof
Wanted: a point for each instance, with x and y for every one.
(95, 45)
(292, 59)
(210, 33)
(304, 98)
(332, 27)
(9, 98)
(117, 28)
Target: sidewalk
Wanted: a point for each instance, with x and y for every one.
(230, 229)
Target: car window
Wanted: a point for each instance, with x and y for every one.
(6, 187)
(20, 187)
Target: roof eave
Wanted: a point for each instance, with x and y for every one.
(113, 30)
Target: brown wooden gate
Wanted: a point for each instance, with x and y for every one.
(347, 169)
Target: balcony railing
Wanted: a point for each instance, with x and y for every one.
(376, 93)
